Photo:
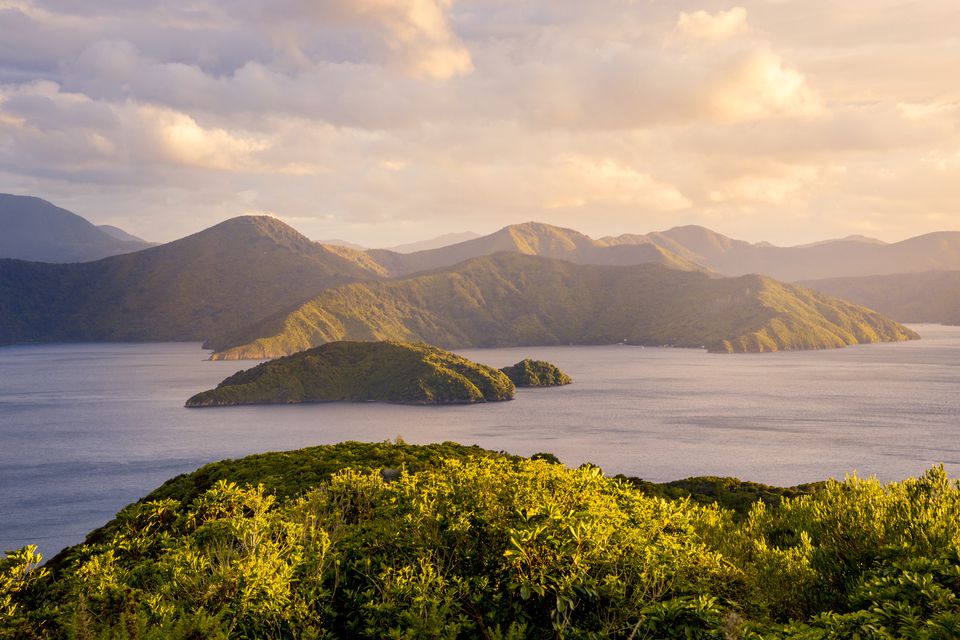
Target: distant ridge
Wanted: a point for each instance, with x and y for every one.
(533, 238)
(34, 229)
(120, 234)
(508, 299)
(235, 273)
(929, 296)
(851, 256)
(435, 243)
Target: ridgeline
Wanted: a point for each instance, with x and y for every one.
(509, 299)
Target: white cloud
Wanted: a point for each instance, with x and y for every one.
(702, 25)
(758, 84)
(367, 116)
(578, 181)
(778, 186)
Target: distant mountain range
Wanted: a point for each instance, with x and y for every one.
(508, 299)
(34, 229)
(852, 256)
(220, 279)
(534, 238)
(928, 296)
(435, 243)
(258, 287)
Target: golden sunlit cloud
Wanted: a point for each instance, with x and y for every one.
(758, 85)
(579, 181)
(359, 118)
(713, 26)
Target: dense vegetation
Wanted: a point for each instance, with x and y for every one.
(362, 371)
(476, 544)
(215, 281)
(536, 373)
(510, 299)
(929, 296)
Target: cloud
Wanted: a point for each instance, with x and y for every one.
(757, 84)
(702, 25)
(777, 186)
(578, 181)
(417, 33)
(378, 118)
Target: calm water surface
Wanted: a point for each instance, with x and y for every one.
(86, 429)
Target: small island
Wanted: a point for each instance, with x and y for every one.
(536, 373)
(394, 372)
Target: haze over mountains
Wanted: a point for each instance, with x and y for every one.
(434, 243)
(34, 229)
(928, 296)
(855, 256)
(253, 279)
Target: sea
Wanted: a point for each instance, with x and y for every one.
(88, 428)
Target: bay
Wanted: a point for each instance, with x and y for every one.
(88, 428)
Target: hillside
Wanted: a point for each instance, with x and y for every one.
(533, 238)
(434, 243)
(536, 373)
(446, 541)
(220, 279)
(510, 299)
(34, 229)
(120, 234)
(852, 256)
(393, 372)
(930, 296)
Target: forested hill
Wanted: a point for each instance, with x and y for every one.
(511, 299)
(220, 279)
(395, 372)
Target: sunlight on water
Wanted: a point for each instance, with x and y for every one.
(88, 428)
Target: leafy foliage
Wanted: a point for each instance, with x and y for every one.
(536, 373)
(495, 546)
(362, 371)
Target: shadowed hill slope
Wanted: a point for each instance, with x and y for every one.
(510, 299)
(217, 280)
(34, 229)
(930, 296)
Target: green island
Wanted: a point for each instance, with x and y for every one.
(389, 540)
(536, 373)
(395, 372)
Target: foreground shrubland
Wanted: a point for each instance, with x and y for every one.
(470, 544)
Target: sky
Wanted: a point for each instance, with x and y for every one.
(388, 121)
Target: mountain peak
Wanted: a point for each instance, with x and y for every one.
(251, 227)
